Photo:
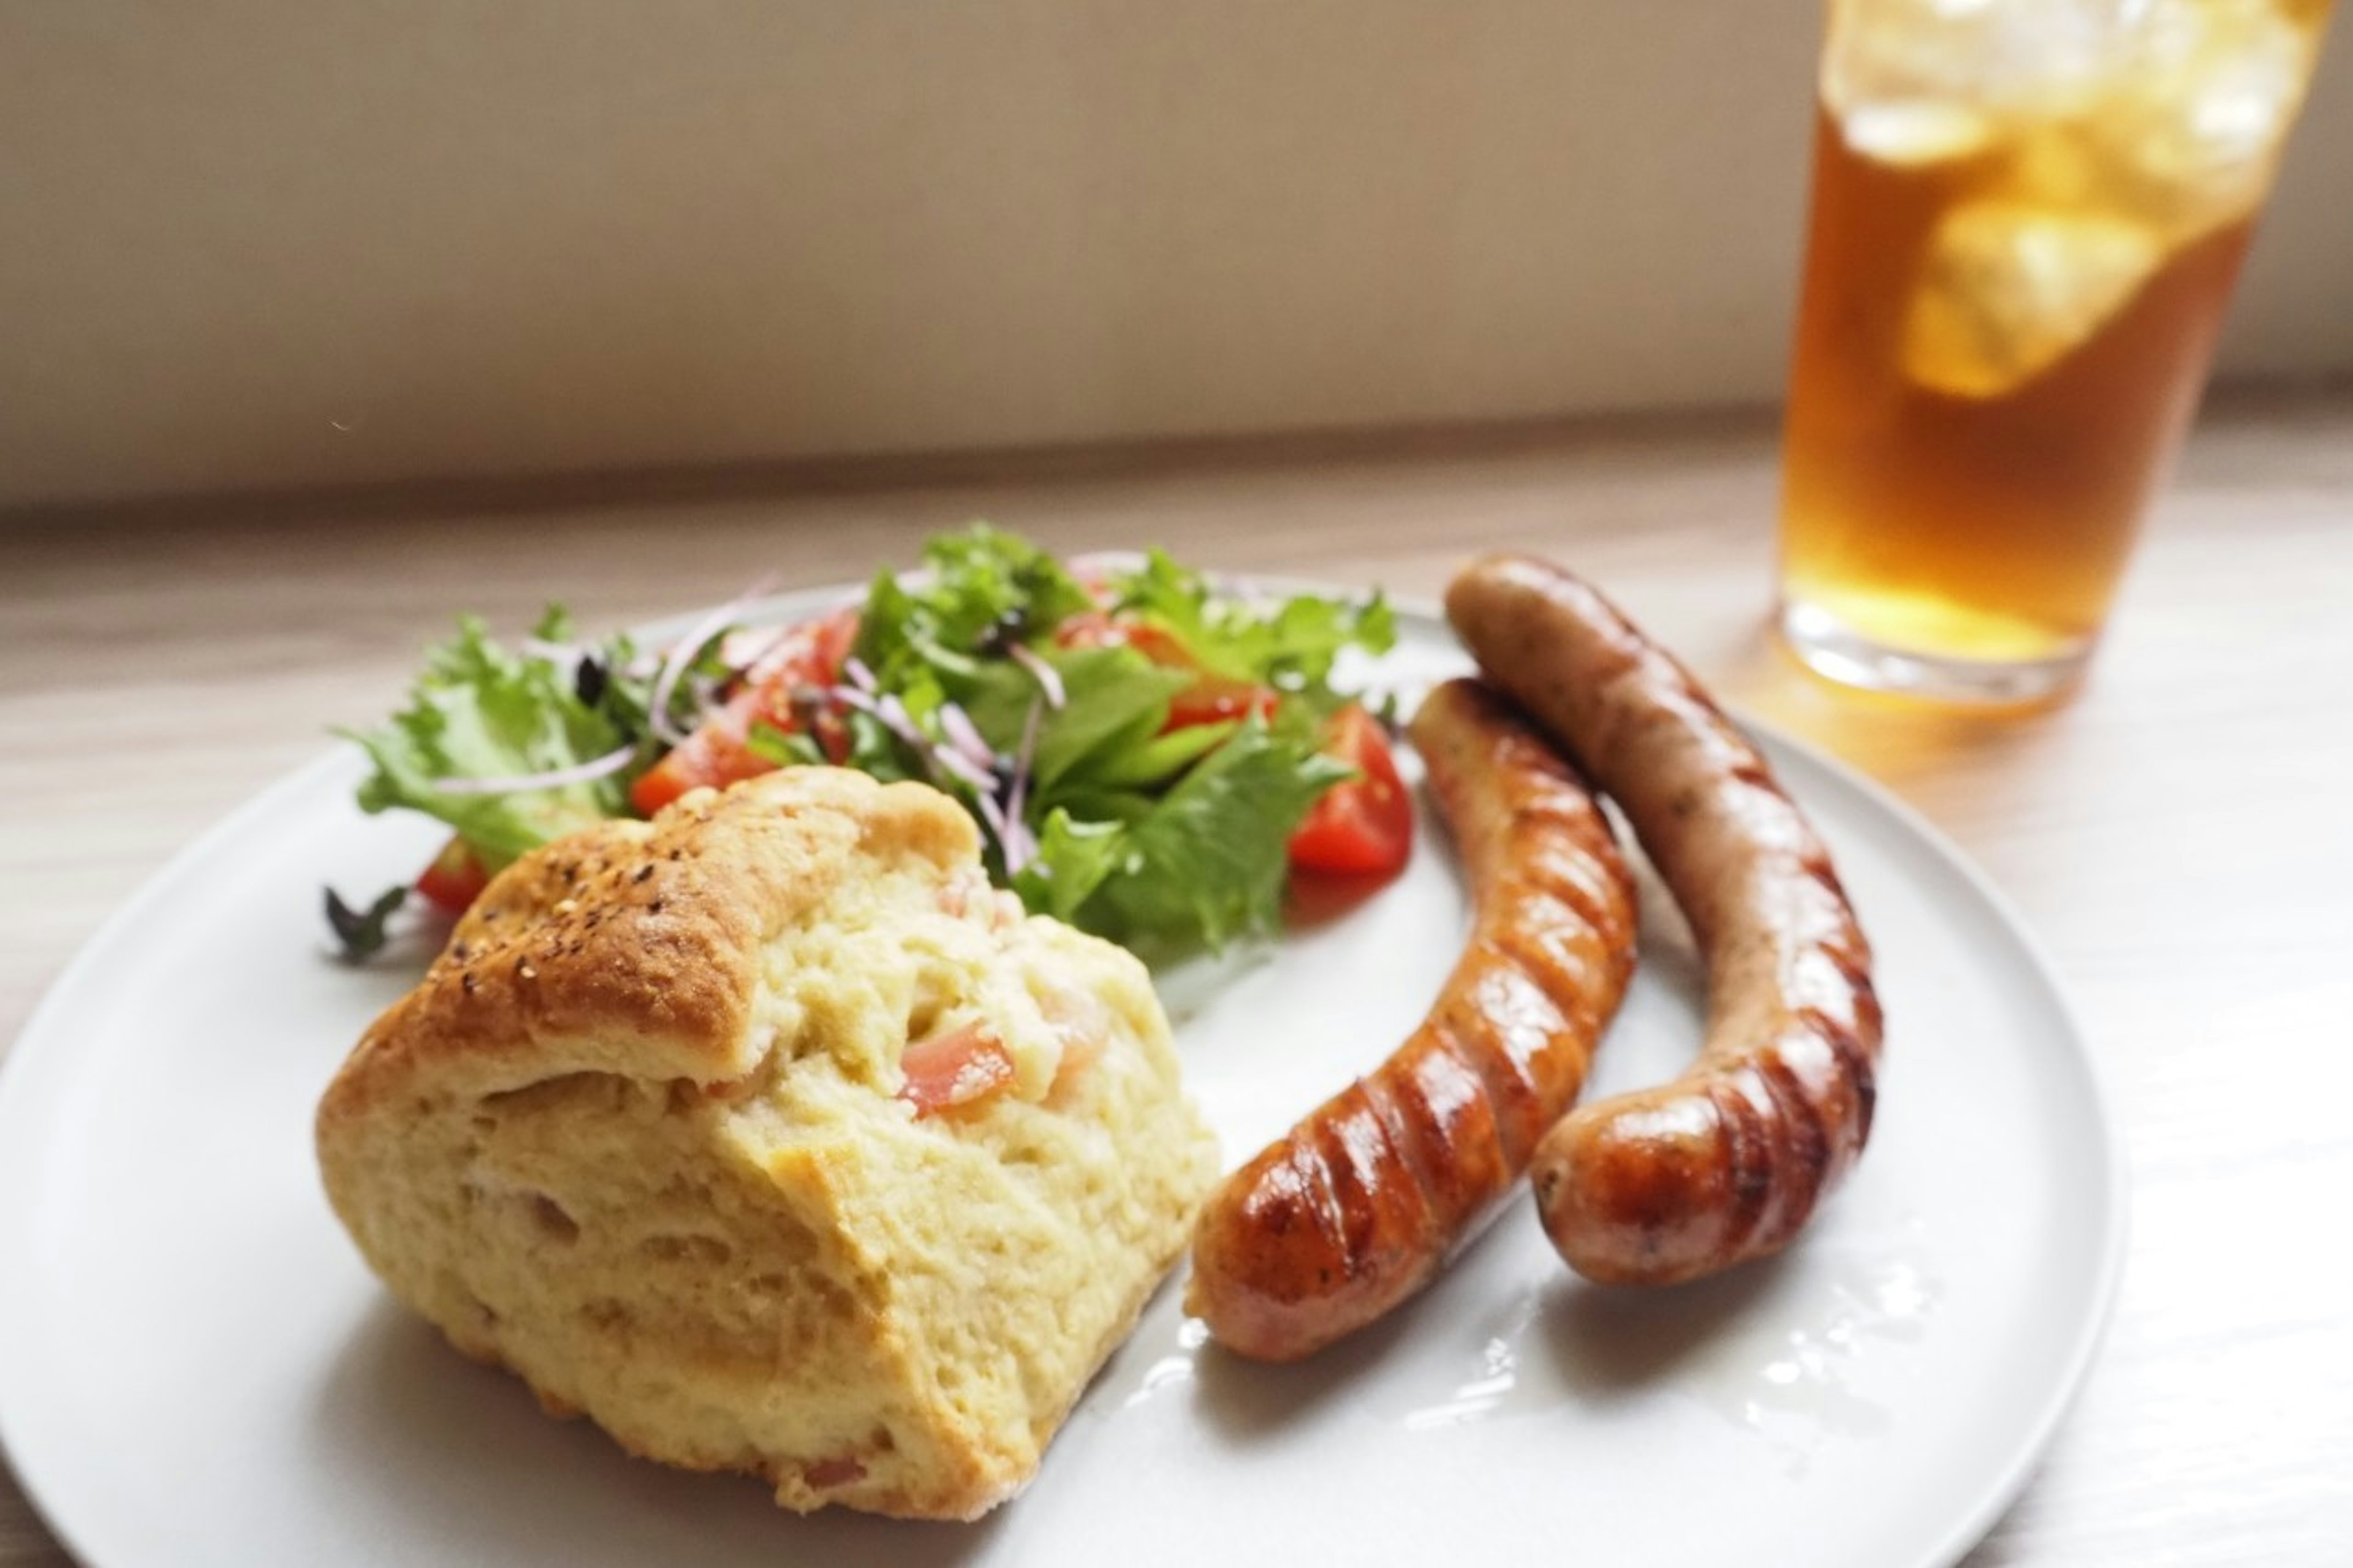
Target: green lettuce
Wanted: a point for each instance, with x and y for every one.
(480, 710)
(1290, 646)
(1205, 863)
(1163, 838)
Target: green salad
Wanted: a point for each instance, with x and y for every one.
(1148, 758)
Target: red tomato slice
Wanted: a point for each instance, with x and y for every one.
(455, 880)
(1363, 826)
(1214, 699)
(719, 753)
(1211, 700)
(954, 1069)
(1089, 628)
(830, 638)
(714, 755)
(1102, 628)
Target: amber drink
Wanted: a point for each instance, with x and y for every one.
(2027, 218)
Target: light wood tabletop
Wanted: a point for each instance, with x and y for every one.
(2172, 834)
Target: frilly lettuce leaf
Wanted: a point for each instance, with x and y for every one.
(1162, 838)
(479, 710)
(1204, 864)
(1288, 644)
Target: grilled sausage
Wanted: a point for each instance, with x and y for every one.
(1728, 1161)
(1359, 1205)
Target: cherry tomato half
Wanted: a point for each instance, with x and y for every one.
(455, 880)
(719, 751)
(1363, 825)
(1211, 700)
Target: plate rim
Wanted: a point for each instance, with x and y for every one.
(2114, 1161)
(2112, 1202)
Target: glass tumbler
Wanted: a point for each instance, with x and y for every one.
(2027, 217)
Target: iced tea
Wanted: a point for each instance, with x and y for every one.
(2027, 218)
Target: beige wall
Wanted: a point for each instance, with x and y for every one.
(300, 241)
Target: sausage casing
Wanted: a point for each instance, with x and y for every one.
(1727, 1162)
(1358, 1205)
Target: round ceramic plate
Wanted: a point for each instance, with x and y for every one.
(195, 1366)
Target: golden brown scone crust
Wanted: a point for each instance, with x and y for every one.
(640, 944)
(635, 1135)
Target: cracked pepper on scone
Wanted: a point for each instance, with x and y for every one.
(769, 1136)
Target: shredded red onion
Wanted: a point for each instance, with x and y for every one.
(854, 670)
(992, 817)
(1012, 834)
(682, 652)
(1049, 679)
(892, 715)
(965, 736)
(1021, 847)
(976, 771)
(964, 768)
(746, 653)
(612, 761)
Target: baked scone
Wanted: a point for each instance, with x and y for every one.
(642, 1135)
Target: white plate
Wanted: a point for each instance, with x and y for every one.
(194, 1367)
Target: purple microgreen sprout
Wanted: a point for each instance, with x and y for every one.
(682, 654)
(596, 768)
(1049, 679)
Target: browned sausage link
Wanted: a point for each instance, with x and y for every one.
(1728, 1161)
(1356, 1207)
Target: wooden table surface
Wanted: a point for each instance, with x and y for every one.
(2175, 834)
